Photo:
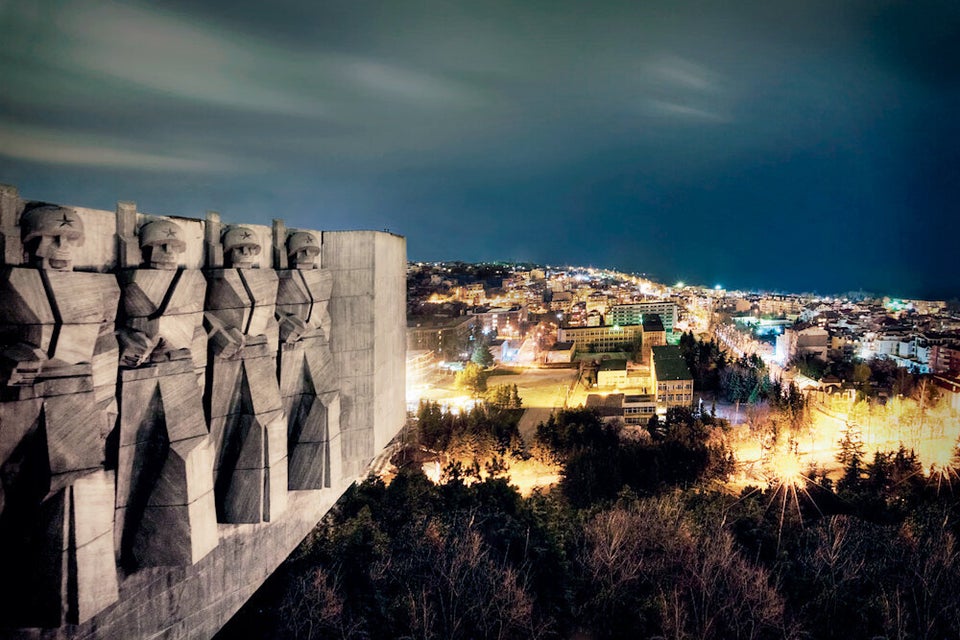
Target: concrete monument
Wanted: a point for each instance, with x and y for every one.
(56, 409)
(247, 422)
(308, 381)
(157, 377)
(165, 508)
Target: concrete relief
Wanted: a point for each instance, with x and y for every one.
(302, 250)
(240, 247)
(247, 421)
(57, 383)
(160, 385)
(161, 243)
(309, 384)
(165, 507)
(49, 235)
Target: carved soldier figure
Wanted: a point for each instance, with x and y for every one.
(165, 511)
(308, 381)
(247, 422)
(57, 386)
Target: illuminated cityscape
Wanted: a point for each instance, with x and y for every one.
(480, 320)
(856, 358)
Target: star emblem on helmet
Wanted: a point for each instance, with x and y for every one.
(171, 233)
(246, 234)
(66, 221)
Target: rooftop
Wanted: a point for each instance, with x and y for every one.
(606, 406)
(436, 322)
(652, 322)
(610, 327)
(669, 363)
(613, 365)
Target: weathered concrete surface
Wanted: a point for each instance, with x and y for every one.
(390, 337)
(195, 601)
(189, 584)
(368, 312)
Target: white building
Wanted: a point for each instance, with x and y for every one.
(797, 342)
(628, 314)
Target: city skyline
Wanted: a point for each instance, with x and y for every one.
(781, 146)
(668, 284)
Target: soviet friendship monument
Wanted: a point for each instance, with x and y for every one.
(180, 402)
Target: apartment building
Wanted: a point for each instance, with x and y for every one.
(602, 338)
(629, 314)
(672, 380)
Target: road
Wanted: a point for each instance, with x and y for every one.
(542, 392)
(529, 421)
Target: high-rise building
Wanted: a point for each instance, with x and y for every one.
(629, 314)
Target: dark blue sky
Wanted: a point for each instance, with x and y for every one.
(807, 145)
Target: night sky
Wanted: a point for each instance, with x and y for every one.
(802, 146)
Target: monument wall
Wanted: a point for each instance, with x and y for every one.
(181, 400)
(370, 277)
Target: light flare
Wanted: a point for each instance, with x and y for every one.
(786, 471)
(783, 471)
(940, 458)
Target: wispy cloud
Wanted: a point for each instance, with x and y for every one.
(686, 111)
(205, 84)
(683, 74)
(409, 85)
(165, 53)
(67, 148)
(686, 90)
(143, 47)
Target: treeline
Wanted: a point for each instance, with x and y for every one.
(638, 541)
(735, 380)
(476, 560)
(491, 427)
(599, 461)
(704, 359)
(873, 555)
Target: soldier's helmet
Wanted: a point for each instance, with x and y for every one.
(158, 233)
(302, 241)
(50, 220)
(241, 237)
(50, 234)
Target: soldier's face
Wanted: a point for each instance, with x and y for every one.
(55, 251)
(163, 256)
(304, 258)
(242, 257)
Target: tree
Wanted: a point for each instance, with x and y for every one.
(647, 571)
(481, 354)
(851, 447)
(515, 401)
(809, 365)
(861, 374)
(704, 359)
(473, 379)
(499, 396)
(504, 396)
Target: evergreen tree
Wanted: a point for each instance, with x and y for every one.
(515, 401)
(473, 379)
(481, 354)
